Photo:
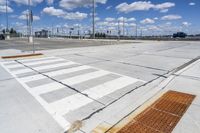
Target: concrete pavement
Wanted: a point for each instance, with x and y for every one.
(95, 85)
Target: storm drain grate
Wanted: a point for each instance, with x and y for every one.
(162, 116)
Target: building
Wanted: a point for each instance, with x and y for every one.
(42, 33)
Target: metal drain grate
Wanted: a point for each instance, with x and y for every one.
(162, 116)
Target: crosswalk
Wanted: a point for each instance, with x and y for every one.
(83, 84)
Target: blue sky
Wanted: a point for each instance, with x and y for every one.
(151, 17)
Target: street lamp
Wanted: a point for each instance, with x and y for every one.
(93, 19)
(7, 30)
(30, 20)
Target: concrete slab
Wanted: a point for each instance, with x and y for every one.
(20, 112)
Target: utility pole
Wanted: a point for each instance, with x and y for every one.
(27, 24)
(118, 30)
(141, 34)
(136, 30)
(7, 30)
(123, 27)
(30, 20)
(93, 15)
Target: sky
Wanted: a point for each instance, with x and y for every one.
(153, 17)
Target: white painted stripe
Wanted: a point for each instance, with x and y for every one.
(62, 121)
(54, 73)
(32, 78)
(21, 71)
(84, 77)
(15, 66)
(53, 66)
(109, 87)
(7, 63)
(66, 71)
(55, 86)
(76, 101)
(45, 61)
(37, 59)
(26, 70)
(46, 88)
(35, 62)
(70, 103)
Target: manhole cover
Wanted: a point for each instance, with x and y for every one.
(162, 116)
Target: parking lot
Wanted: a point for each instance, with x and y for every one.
(94, 82)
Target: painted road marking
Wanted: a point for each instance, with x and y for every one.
(46, 88)
(40, 68)
(32, 78)
(45, 61)
(37, 59)
(70, 103)
(84, 77)
(66, 71)
(53, 66)
(60, 119)
(109, 87)
(74, 101)
(21, 71)
(54, 73)
(15, 66)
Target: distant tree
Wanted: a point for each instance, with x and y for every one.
(12, 31)
(4, 31)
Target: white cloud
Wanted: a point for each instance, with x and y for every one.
(143, 6)
(25, 2)
(50, 2)
(2, 2)
(135, 6)
(126, 19)
(168, 23)
(23, 16)
(3, 9)
(164, 10)
(72, 4)
(132, 24)
(171, 17)
(63, 14)
(109, 19)
(163, 6)
(53, 12)
(97, 19)
(186, 24)
(192, 3)
(108, 7)
(147, 21)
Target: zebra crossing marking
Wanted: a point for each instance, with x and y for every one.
(75, 101)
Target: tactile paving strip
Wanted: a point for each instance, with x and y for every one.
(162, 116)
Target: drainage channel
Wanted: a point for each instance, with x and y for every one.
(72, 88)
(162, 116)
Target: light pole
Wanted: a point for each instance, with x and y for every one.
(136, 30)
(118, 29)
(7, 30)
(30, 39)
(30, 21)
(93, 15)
